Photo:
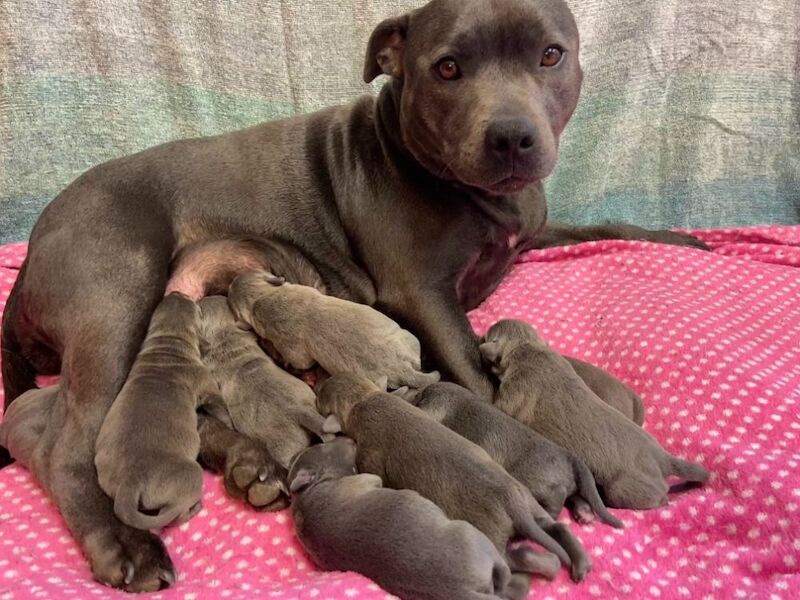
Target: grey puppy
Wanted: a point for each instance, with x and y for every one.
(146, 451)
(610, 389)
(552, 474)
(407, 449)
(539, 388)
(405, 543)
(264, 401)
(307, 327)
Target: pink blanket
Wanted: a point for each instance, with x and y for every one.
(711, 342)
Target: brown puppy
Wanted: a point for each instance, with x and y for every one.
(306, 327)
(146, 452)
(539, 388)
(610, 389)
(409, 450)
(264, 401)
(551, 473)
(405, 543)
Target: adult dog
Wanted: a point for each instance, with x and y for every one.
(416, 203)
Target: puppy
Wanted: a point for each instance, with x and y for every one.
(24, 423)
(146, 451)
(408, 450)
(405, 543)
(610, 390)
(539, 388)
(551, 473)
(263, 401)
(307, 327)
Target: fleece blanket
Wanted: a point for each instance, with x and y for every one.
(688, 115)
(709, 340)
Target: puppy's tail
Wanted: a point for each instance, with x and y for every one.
(693, 475)
(527, 527)
(587, 489)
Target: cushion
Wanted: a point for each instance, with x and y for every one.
(708, 339)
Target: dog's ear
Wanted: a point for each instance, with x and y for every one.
(274, 279)
(302, 480)
(490, 352)
(383, 383)
(385, 49)
(332, 425)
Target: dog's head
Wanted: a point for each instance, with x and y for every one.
(504, 336)
(331, 460)
(337, 395)
(487, 86)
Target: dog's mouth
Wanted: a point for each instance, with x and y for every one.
(509, 185)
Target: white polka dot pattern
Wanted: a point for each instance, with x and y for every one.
(710, 341)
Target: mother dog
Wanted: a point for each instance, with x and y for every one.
(416, 203)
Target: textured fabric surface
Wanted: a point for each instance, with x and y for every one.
(690, 114)
(708, 339)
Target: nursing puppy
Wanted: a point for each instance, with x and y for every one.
(263, 401)
(307, 327)
(408, 450)
(539, 388)
(552, 474)
(405, 543)
(610, 390)
(146, 451)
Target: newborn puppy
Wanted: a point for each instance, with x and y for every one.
(610, 390)
(397, 538)
(305, 326)
(146, 451)
(408, 450)
(24, 423)
(264, 401)
(539, 388)
(551, 473)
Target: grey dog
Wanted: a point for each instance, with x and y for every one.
(408, 450)
(552, 474)
(146, 452)
(609, 389)
(306, 328)
(417, 202)
(541, 390)
(405, 543)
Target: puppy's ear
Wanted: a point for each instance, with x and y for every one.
(302, 480)
(332, 425)
(274, 279)
(243, 325)
(215, 406)
(385, 49)
(490, 351)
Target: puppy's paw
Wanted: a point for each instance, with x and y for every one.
(129, 559)
(252, 475)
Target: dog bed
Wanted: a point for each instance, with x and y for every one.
(711, 341)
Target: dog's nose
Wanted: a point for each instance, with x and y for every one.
(509, 138)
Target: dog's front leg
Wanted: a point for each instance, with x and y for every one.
(446, 336)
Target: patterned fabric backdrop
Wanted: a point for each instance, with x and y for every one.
(690, 114)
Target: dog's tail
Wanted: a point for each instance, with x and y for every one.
(587, 489)
(693, 475)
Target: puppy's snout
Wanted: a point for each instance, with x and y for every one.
(511, 138)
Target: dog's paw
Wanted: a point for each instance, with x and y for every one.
(129, 559)
(673, 238)
(252, 475)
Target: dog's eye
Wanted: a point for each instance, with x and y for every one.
(552, 56)
(448, 69)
